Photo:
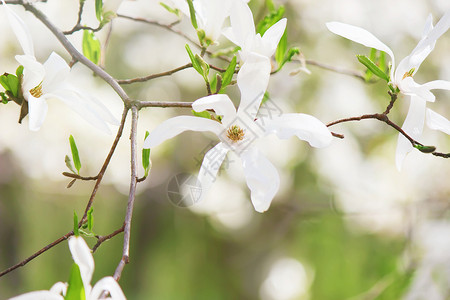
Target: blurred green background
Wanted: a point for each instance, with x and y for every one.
(345, 224)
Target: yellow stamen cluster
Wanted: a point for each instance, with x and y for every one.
(235, 133)
(409, 73)
(36, 92)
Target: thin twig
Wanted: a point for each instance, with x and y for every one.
(131, 196)
(335, 69)
(76, 176)
(153, 76)
(103, 238)
(78, 25)
(142, 104)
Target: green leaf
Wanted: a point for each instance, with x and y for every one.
(192, 14)
(170, 9)
(194, 62)
(99, 9)
(288, 57)
(425, 149)
(69, 165)
(270, 5)
(4, 82)
(13, 82)
(19, 71)
(4, 98)
(265, 98)
(76, 232)
(146, 158)
(228, 75)
(91, 46)
(372, 67)
(90, 219)
(204, 65)
(273, 17)
(382, 61)
(202, 114)
(218, 83)
(75, 290)
(75, 156)
(213, 82)
(281, 50)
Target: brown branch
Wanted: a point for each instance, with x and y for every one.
(142, 104)
(153, 76)
(131, 196)
(78, 25)
(103, 238)
(76, 176)
(344, 71)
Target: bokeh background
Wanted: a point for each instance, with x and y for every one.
(344, 225)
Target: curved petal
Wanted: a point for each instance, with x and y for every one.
(81, 106)
(272, 37)
(242, 24)
(252, 80)
(360, 36)
(220, 103)
(305, 127)
(262, 178)
(33, 71)
(59, 288)
(56, 72)
(174, 126)
(437, 85)
(38, 295)
(413, 126)
(441, 27)
(437, 122)
(37, 111)
(107, 284)
(20, 29)
(409, 87)
(82, 256)
(210, 167)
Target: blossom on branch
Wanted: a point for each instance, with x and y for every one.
(82, 256)
(237, 131)
(41, 82)
(401, 77)
(242, 32)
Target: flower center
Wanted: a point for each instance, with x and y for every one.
(36, 92)
(235, 133)
(409, 73)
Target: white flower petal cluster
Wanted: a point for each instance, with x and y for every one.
(42, 82)
(238, 130)
(82, 256)
(402, 78)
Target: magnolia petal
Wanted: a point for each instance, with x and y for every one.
(212, 14)
(56, 72)
(82, 256)
(96, 106)
(409, 87)
(81, 106)
(59, 288)
(38, 295)
(110, 285)
(437, 122)
(262, 178)
(360, 36)
(437, 85)
(413, 126)
(20, 29)
(37, 111)
(174, 126)
(33, 71)
(252, 80)
(305, 127)
(210, 167)
(441, 27)
(242, 24)
(220, 103)
(272, 36)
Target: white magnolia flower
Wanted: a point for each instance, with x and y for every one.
(210, 14)
(82, 256)
(42, 82)
(242, 32)
(402, 78)
(238, 130)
